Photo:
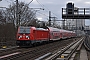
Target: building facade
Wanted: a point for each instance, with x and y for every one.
(75, 24)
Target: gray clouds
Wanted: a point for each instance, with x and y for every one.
(54, 6)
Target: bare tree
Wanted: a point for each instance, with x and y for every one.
(2, 17)
(25, 13)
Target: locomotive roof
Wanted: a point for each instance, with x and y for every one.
(53, 29)
(21, 27)
(41, 29)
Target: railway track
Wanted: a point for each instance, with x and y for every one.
(87, 46)
(84, 52)
(35, 52)
(66, 53)
(88, 54)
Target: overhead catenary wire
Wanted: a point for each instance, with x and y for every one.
(30, 2)
(26, 8)
(12, 1)
(27, 5)
(45, 7)
(8, 1)
(43, 14)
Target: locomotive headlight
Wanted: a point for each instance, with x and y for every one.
(20, 37)
(27, 37)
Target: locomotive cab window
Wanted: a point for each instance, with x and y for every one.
(24, 30)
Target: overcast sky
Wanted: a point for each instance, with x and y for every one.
(54, 6)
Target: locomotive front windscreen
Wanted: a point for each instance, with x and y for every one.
(24, 30)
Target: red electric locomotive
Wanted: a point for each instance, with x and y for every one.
(26, 36)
